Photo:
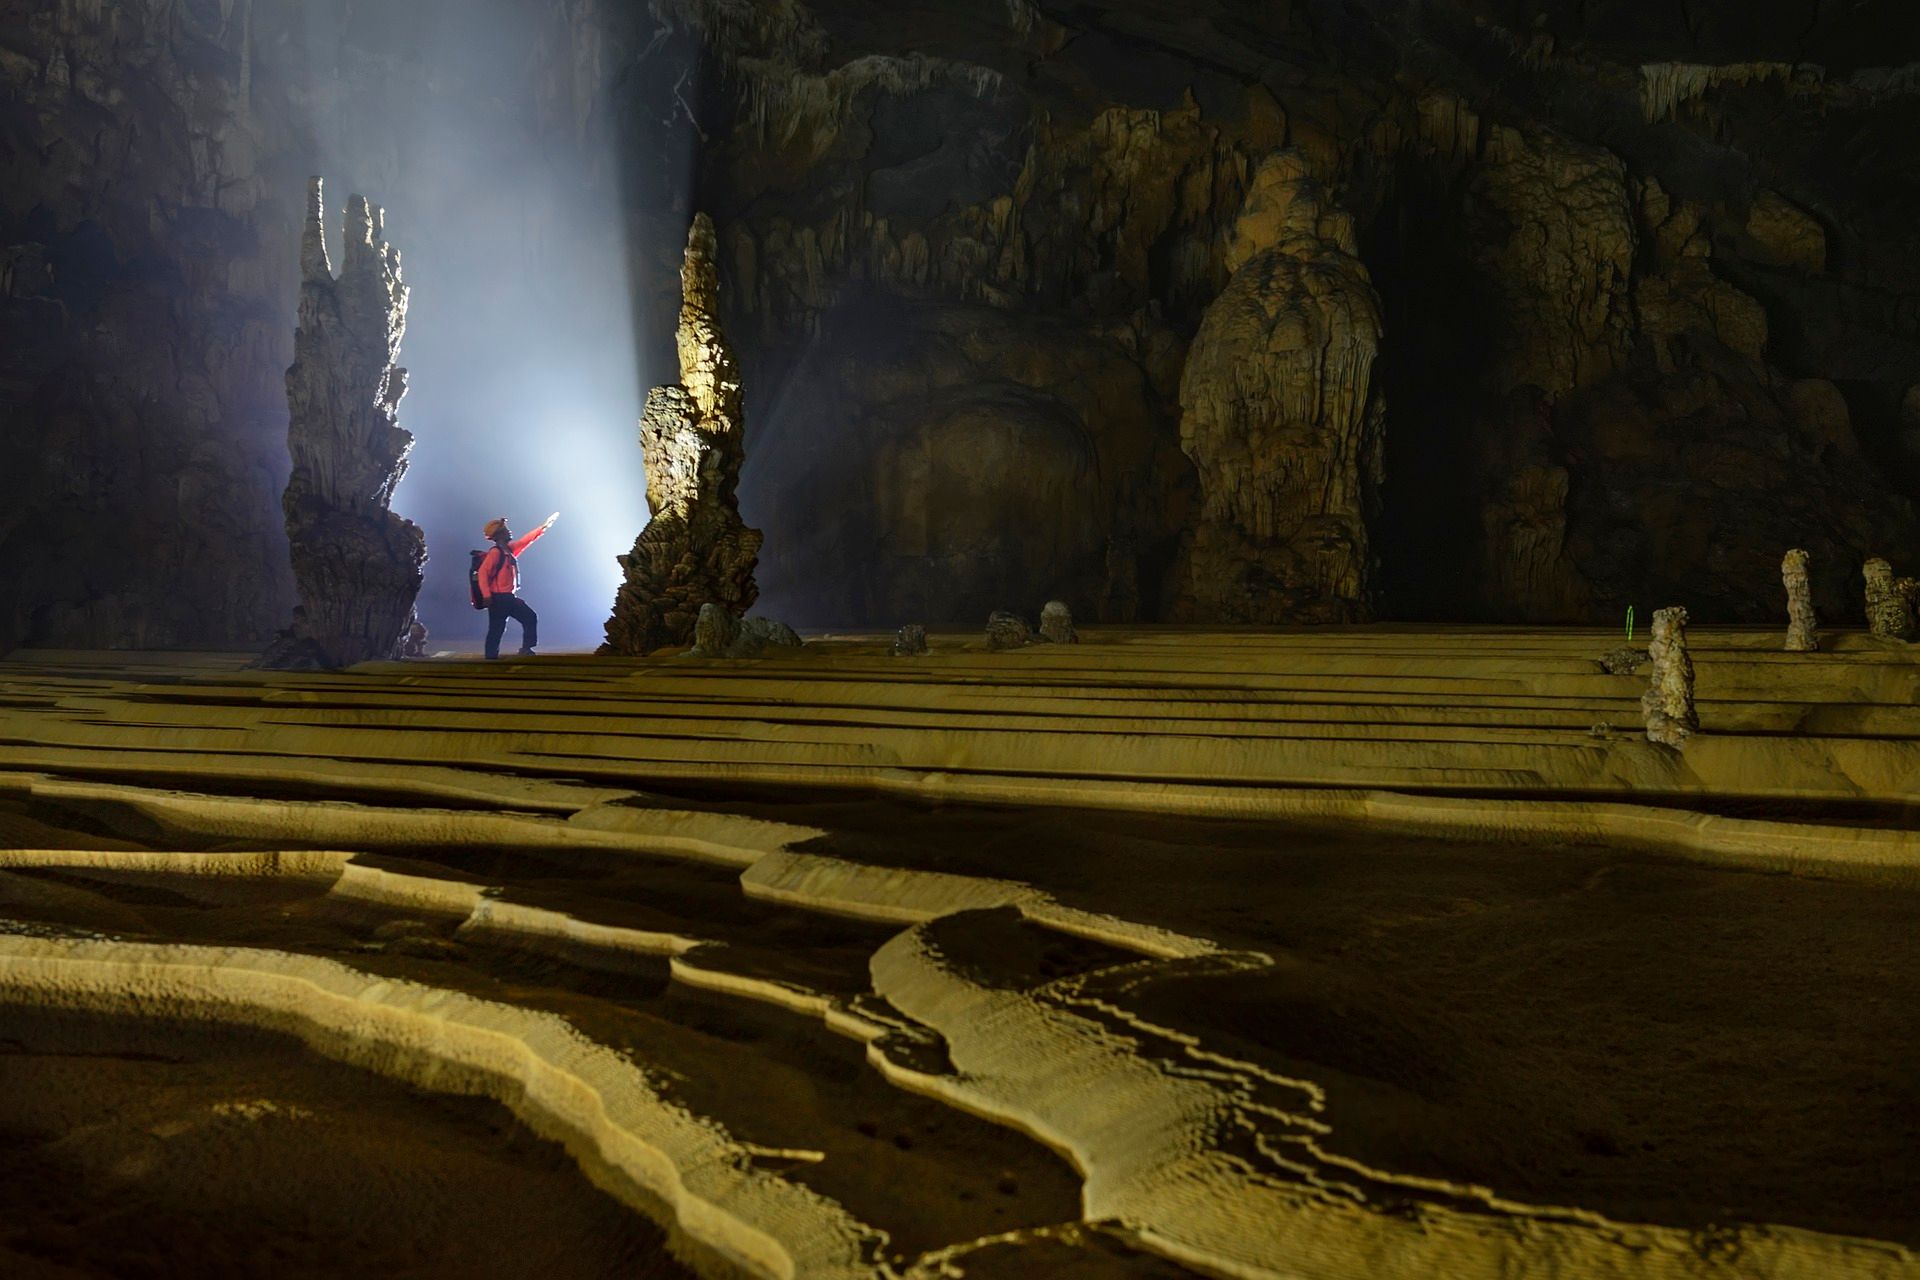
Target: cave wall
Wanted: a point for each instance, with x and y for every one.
(145, 291)
(1641, 328)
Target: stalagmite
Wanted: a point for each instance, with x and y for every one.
(356, 564)
(1889, 614)
(1802, 627)
(696, 550)
(1056, 623)
(1668, 702)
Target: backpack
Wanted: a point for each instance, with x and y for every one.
(473, 575)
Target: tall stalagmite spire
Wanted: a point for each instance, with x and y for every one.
(356, 564)
(696, 550)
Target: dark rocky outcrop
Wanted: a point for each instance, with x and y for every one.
(909, 642)
(1007, 630)
(695, 552)
(355, 563)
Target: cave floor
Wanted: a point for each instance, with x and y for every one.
(1349, 953)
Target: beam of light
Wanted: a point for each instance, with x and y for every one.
(520, 342)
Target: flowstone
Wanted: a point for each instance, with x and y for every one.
(1802, 627)
(696, 549)
(1668, 702)
(1283, 416)
(356, 565)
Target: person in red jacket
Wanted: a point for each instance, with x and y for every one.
(500, 584)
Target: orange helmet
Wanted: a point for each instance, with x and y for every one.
(493, 526)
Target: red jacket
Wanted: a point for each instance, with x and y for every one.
(499, 575)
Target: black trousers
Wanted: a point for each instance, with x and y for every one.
(499, 609)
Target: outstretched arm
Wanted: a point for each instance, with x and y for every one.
(526, 540)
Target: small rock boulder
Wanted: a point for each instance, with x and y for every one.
(718, 634)
(757, 635)
(1007, 630)
(713, 632)
(1623, 661)
(1056, 623)
(910, 640)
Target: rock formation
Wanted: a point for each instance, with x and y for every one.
(1623, 661)
(1889, 613)
(1007, 630)
(357, 565)
(719, 634)
(1803, 635)
(1668, 702)
(415, 645)
(910, 641)
(1056, 623)
(1282, 418)
(695, 550)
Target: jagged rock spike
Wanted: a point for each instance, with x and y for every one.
(314, 264)
(356, 565)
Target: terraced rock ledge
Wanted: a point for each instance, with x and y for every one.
(1339, 954)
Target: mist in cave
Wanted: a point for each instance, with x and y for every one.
(521, 343)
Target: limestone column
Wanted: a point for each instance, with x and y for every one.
(1668, 701)
(696, 550)
(356, 565)
(1802, 627)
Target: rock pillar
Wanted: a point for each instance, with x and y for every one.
(1802, 626)
(1889, 615)
(1668, 702)
(696, 550)
(356, 565)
